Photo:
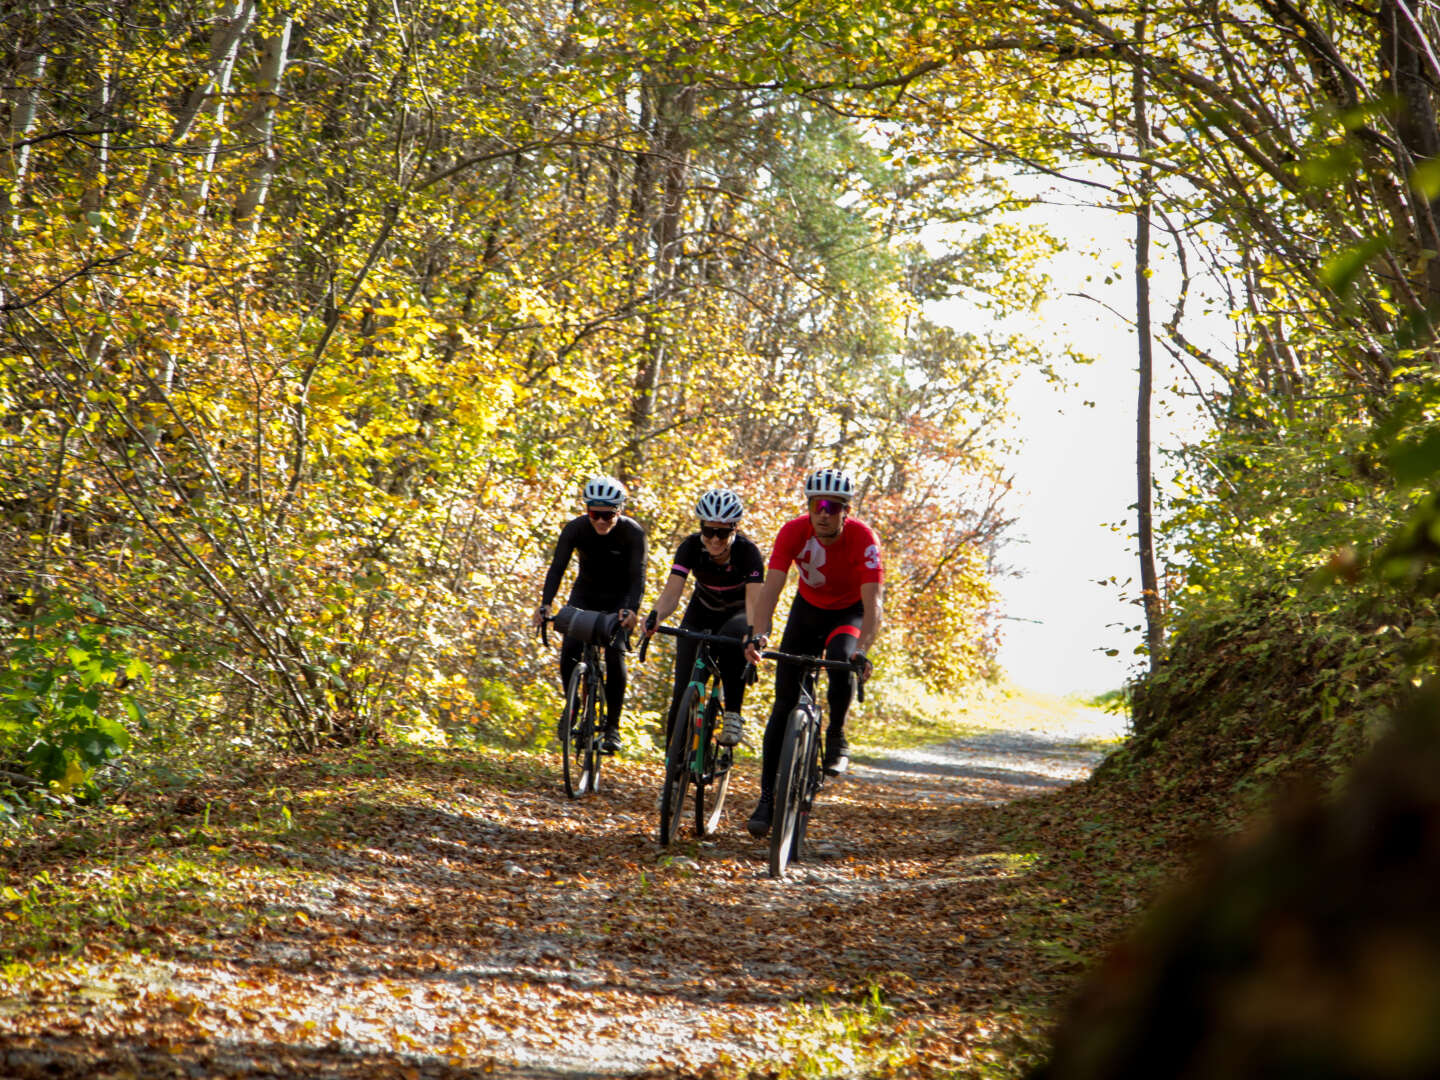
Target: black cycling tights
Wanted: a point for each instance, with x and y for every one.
(570, 652)
(811, 631)
(731, 658)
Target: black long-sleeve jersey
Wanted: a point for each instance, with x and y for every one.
(612, 567)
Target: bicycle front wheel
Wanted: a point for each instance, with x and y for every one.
(795, 754)
(593, 754)
(572, 732)
(714, 779)
(677, 765)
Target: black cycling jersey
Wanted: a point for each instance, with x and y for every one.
(720, 588)
(612, 567)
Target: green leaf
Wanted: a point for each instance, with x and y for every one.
(1323, 170)
(1414, 462)
(1340, 270)
(1425, 178)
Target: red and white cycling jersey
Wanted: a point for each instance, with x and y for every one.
(830, 577)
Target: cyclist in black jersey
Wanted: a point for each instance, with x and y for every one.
(611, 551)
(728, 570)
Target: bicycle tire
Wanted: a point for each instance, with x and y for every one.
(789, 788)
(714, 777)
(807, 797)
(571, 728)
(677, 766)
(593, 754)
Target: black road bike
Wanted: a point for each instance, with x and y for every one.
(799, 777)
(693, 754)
(580, 730)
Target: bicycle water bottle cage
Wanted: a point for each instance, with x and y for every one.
(587, 626)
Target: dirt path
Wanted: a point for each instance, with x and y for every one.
(458, 916)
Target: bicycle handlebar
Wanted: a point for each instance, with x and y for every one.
(808, 661)
(686, 632)
(620, 632)
(819, 662)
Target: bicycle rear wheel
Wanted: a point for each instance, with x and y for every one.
(677, 765)
(795, 754)
(572, 732)
(714, 780)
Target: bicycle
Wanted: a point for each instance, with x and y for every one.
(580, 729)
(693, 753)
(799, 777)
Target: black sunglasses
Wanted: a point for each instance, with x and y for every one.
(601, 515)
(711, 532)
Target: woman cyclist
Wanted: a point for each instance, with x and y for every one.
(728, 570)
(611, 550)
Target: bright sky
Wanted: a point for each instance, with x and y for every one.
(1074, 475)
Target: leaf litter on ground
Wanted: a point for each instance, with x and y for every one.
(451, 913)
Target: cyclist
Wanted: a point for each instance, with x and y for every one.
(728, 569)
(837, 614)
(611, 551)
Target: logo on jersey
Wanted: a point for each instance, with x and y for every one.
(809, 561)
(872, 557)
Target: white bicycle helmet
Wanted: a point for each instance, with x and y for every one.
(829, 483)
(603, 491)
(720, 504)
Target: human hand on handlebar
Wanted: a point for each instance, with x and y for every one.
(862, 665)
(627, 618)
(754, 645)
(541, 614)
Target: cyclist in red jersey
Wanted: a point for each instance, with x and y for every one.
(837, 614)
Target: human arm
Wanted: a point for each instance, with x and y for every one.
(767, 596)
(871, 597)
(752, 601)
(669, 598)
(559, 561)
(637, 579)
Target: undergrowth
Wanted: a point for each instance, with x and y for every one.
(1287, 688)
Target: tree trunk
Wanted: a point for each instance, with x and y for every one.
(260, 126)
(1145, 536)
(675, 106)
(22, 122)
(1407, 57)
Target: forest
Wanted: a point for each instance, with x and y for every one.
(315, 317)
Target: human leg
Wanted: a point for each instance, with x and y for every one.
(799, 639)
(685, 650)
(731, 659)
(839, 695)
(615, 680)
(570, 651)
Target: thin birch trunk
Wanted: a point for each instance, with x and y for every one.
(261, 127)
(1145, 535)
